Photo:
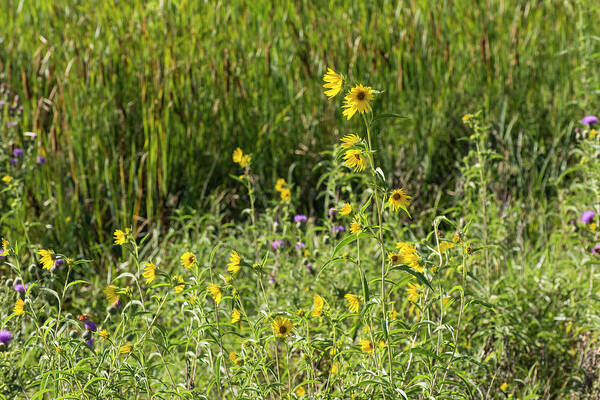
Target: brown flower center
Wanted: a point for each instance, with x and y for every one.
(282, 330)
(361, 95)
(396, 196)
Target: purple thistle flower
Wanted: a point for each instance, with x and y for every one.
(59, 262)
(300, 218)
(276, 244)
(13, 161)
(309, 268)
(275, 223)
(589, 120)
(21, 288)
(41, 160)
(596, 249)
(300, 245)
(587, 216)
(271, 281)
(5, 336)
(90, 342)
(332, 211)
(10, 124)
(90, 326)
(2, 253)
(18, 152)
(337, 229)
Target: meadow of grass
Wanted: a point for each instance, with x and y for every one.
(184, 215)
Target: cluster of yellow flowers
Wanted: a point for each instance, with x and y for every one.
(282, 187)
(240, 158)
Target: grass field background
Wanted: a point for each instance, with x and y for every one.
(137, 107)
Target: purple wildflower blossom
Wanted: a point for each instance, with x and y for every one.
(596, 249)
(5, 336)
(309, 268)
(13, 161)
(18, 152)
(275, 223)
(276, 244)
(41, 160)
(589, 120)
(271, 281)
(300, 218)
(10, 124)
(90, 326)
(2, 253)
(19, 287)
(300, 245)
(337, 229)
(59, 262)
(587, 216)
(90, 342)
(2, 103)
(332, 211)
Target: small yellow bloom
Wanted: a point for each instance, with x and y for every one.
(245, 161)
(354, 158)
(381, 344)
(120, 236)
(149, 272)
(188, 259)
(103, 334)
(234, 262)
(349, 140)
(285, 194)
(393, 315)
(280, 184)
(215, 292)
(358, 99)
(300, 391)
(237, 155)
(235, 316)
(126, 349)
(7, 178)
(318, 304)
(592, 226)
(414, 292)
(346, 209)
(19, 307)
(353, 302)
(234, 358)
(282, 327)
(181, 286)
(592, 134)
(504, 387)
(46, 260)
(111, 294)
(467, 117)
(333, 82)
(367, 346)
(398, 199)
(355, 227)
(334, 368)
(444, 246)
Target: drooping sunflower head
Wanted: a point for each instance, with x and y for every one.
(235, 316)
(120, 237)
(318, 304)
(19, 308)
(333, 82)
(366, 346)
(188, 259)
(282, 327)
(358, 99)
(46, 260)
(111, 294)
(354, 158)
(349, 140)
(414, 291)
(234, 262)
(149, 272)
(353, 302)
(215, 292)
(398, 199)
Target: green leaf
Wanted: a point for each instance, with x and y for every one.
(350, 239)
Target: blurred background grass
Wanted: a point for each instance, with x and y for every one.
(138, 105)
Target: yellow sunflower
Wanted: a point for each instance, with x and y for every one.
(367, 346)
(333, 82)
(349, 140)
(7, 178)
(285, 194)
(282, 326)
(346, 209)
(149, 272)
(353, 302)
(354, 158)
(126, 349)
(188, 259)
(300, 391)
(19, 307)
(395, 258)
(234, 262)
(318, 304)
(414, 291)
(111, 294)
(120, 236)
(237, 155)
(398, 199)
(358, 99)
(235, 316)
(355, 227)
(46, 260)
(215, 292)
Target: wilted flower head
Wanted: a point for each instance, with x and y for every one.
(5, 336)
(300, 218)
(59, 262)
(18, 152)
(587, 216)
(41, 160)
(589, 120)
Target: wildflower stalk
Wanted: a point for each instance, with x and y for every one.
(378, 206)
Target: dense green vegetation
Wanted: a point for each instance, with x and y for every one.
(136, 108)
